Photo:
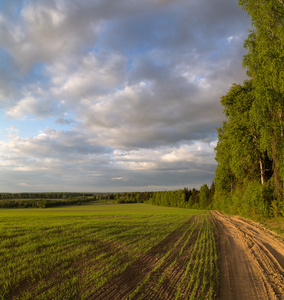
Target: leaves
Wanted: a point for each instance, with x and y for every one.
(251, 142)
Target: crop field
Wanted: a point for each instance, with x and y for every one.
(107, 251)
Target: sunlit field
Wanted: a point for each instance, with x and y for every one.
(77, 252)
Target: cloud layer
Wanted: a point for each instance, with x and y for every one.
(114, 95)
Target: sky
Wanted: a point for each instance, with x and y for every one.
(114, 96)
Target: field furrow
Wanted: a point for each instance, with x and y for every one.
(130, 251)
(181, 270)
(134, 274)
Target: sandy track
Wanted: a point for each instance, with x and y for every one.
(251, 260)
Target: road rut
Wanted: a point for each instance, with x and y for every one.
(251, 260)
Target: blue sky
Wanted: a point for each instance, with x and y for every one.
(114, 95)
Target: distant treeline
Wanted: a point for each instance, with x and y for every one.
(186, 198)
(43, 195)
(126, 197)
(43, 200)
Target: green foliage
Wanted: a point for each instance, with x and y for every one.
(222, 200)
(256, 201)
(252, 200)
(185, 198)
(204, 196)
(264, 60)
(277, 208)
(250, 151)
(265, 64)
(43, 203)
(52, 195)
(239, 148)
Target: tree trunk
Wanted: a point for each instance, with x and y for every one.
(261, 172)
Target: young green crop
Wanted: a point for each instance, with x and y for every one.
(71, 252)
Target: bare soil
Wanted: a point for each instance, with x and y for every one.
(251, 260)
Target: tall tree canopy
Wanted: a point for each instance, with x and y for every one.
(265, 65)
(251, 142)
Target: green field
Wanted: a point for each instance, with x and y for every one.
(77, 252)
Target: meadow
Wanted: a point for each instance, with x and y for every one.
(87, 251)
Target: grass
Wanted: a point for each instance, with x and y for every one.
(198, 278)
(70, 252)
(275, 224)
(201, 272)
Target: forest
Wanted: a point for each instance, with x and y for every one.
(186, 198)
(250, 151)
(43, 200)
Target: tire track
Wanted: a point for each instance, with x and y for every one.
(251, 260)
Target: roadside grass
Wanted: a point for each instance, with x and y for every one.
(70, 252)
(275, 224)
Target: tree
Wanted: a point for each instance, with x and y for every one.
(250, 148)
(204, 196)
(211, 194)
(239, 154)
(265, 65)
(244, 133)
(224, 176)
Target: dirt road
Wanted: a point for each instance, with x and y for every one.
(251, 260)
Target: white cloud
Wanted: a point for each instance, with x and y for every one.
(137, 84)
(47, 30)
(197, 152)
(120, 179)
(23, 184)
(30, 106)
(92, 76)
